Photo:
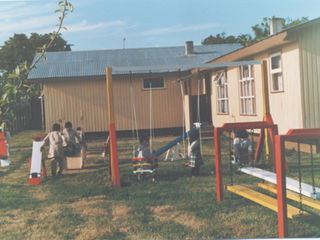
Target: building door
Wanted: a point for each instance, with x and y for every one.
(204, 102)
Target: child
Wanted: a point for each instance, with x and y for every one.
(144, 152)
(194, 153)
(242, 144)
(56, 143)
(83, 144)
(71, 135)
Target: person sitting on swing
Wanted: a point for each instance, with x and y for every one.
(143, 151)
(242, 147)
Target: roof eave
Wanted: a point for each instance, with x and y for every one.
(268, 43)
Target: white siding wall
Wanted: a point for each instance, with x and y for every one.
(285, 107)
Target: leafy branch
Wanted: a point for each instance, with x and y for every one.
(19, 85)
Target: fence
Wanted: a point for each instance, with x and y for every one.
(27, 116)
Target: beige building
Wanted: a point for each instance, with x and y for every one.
(292, 73)
(74, 85)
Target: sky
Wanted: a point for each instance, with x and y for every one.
(104, 24)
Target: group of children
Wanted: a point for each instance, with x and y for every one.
(64, 144)
(61, 144)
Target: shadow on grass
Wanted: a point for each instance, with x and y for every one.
(16, 164)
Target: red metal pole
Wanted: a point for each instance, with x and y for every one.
(114, 158)
(217, 146)
(281, 187)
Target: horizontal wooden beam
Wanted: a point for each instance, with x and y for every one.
(291, 195)
(267, 201)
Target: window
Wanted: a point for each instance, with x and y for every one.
(276, 72)
(156, 83)
(246, 88)
(222, 92)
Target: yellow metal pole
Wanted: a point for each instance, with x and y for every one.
(110, 95)
(266, 110)
(110, 109)
(265, 94)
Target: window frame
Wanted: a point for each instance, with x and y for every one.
(222, 89)
(247, 93)
(153, 88)
(275, 71)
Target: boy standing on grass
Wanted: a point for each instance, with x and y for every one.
(194, 153)
(56, 142)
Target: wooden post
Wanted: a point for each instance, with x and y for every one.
(112, 130)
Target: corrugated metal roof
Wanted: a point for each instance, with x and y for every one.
(94, 63)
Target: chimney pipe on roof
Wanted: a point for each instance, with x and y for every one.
(189, 47)
(275, 26)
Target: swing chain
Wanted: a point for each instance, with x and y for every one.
(231, 176)
(312, 173)
(300, 188)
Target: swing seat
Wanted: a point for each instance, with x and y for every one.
(142, 165)
(244, 154)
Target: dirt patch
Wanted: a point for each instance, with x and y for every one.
(13, 220)
(167, 213)
(119, 212)
(91, 232)
(87, 201)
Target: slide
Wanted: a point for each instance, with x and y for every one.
(35, 166)
(174, 142)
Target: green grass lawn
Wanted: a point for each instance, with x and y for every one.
(83, 204)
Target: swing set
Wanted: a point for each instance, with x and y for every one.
(150, 164)
(279, 184)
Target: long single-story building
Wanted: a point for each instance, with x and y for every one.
(74, 85)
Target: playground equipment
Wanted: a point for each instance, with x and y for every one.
(145, 165)
(282, 183)
(36, 161)
(177, 140)
(273, 129)
(292, 135)
(176, 153)
(4, 151)
(115, 175)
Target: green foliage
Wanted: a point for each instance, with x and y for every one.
(260, 31)
(20, 49)
(15, 63)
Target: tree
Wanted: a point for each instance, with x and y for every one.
(20, 48)
(17, 85)
(260, 32)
